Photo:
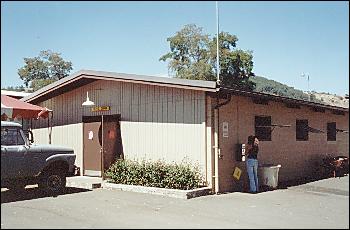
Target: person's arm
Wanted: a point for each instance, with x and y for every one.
(248, 147)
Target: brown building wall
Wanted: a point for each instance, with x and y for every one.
(298, 158)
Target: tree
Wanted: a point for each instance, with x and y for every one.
(40, 83)
(190, 56)
(193, 56)
(44, 69)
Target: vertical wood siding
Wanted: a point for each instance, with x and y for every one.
(66, 135)
(156, 122)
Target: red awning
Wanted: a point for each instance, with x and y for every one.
(13, 108)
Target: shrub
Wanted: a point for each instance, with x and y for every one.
(155, 174)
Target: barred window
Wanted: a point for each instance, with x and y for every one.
(331, 131)
(302, 130)
(263, 128)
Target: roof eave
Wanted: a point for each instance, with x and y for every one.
(99, 75)
(283, 99)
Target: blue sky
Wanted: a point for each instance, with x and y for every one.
(287, 38)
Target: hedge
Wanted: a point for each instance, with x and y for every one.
(155, 174)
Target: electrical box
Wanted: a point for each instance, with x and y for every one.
(240, 152)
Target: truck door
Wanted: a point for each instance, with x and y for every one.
(13, 150)
(34, 160)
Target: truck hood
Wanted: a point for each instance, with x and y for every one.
(52, 148)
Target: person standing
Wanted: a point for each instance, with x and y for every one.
(252, 163)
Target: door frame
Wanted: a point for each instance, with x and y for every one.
(99, 118)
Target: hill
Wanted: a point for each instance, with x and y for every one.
(332, 99)
(265, 85)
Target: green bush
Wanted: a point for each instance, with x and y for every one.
(155, 174)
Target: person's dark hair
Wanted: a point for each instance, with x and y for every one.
(251, 139)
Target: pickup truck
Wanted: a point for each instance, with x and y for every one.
(24, 163)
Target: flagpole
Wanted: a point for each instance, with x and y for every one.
(217, 45)
(216, 112)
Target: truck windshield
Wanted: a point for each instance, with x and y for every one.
(12, 136)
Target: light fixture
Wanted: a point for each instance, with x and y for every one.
(88, 102)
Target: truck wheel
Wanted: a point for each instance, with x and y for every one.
(53, 182)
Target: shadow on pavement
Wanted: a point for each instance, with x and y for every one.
(9, 196)
(293, 183)
(301, 181)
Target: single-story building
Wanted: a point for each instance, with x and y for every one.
(174, 119)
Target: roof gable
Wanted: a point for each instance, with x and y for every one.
(84, 77)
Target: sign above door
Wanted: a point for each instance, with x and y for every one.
(100, 108)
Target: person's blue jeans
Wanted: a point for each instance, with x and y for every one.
(252, 169)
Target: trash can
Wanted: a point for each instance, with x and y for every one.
(268, 175)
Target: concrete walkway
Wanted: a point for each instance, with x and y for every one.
(336, 186)
(322, 204)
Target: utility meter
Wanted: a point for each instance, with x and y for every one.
(240, 153)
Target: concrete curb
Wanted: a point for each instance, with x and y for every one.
(83, 183)
(176, 193)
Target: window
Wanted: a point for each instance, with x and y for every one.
(331, 131)
(11, 136)
(302, 130)
(263, 128)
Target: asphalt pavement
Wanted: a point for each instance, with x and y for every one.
(320, 204)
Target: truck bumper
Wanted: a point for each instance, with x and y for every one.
(74, 172)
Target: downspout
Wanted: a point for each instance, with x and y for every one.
(102, 148)
(216, 108)
(217, 154)
(216, 148)
(50, 126)
(218, 105)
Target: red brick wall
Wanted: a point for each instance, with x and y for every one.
(296, 157)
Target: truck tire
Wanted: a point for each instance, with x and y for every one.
(53, 181)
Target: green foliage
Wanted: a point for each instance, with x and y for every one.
(193, 56)
(40, 83)
(47, 67)
(189, 55)
(155, 174)
(236, 65)
(265, 85)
